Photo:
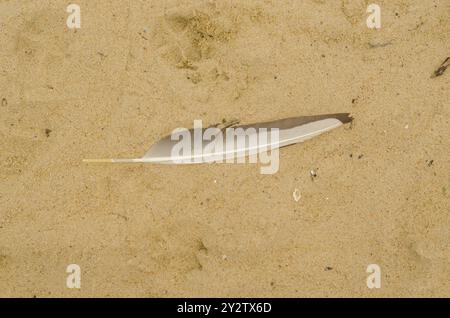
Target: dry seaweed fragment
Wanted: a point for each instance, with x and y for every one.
(442, 68)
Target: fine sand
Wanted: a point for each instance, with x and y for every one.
(135, 70)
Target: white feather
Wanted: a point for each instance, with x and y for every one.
(291, 131)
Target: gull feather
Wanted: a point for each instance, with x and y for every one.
(291, 131)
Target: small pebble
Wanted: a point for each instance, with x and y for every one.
(313, 174)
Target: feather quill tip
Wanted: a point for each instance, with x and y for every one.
(98, 160)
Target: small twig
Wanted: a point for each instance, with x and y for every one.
(442, 68)
(230, 123)
(377, 45)
(226, 124)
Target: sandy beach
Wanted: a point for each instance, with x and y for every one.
(135, 70)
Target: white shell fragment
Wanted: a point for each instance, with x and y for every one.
(296, 194)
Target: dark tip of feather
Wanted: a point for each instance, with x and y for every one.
(343, 117)
(287, 123)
